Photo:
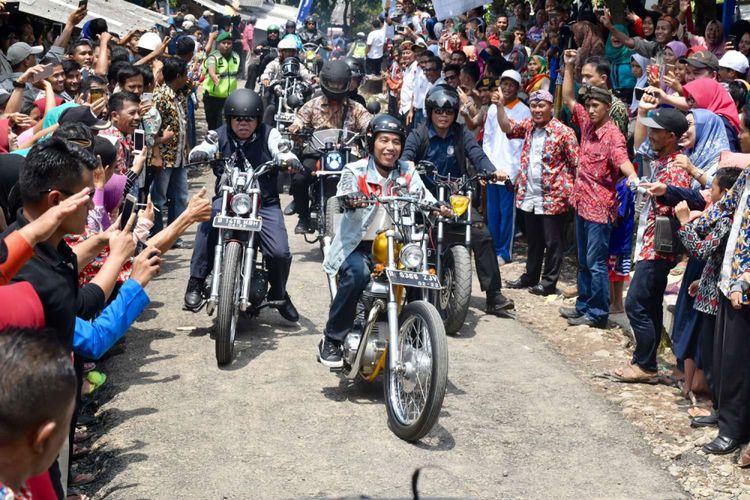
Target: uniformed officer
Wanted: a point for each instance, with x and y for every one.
(332, 110)
(223, 66)
(259, 144)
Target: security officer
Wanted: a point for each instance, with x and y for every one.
(332, 110)
(266, 54)
(447, 144)
(222, 66)
(259, 144)
(357, 66)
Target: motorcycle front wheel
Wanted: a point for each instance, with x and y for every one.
(414, 392)
(453, 299)
(228, 308)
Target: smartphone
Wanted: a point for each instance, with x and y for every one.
(139, 141)
(214, 28)
(83, 3)
(147, 97)
(571, 42)
(127, 210)
(400, 28)
(57, 29)
(639, 93)
(45, 73)
(653, 71)
(95, 95)
(733, 40)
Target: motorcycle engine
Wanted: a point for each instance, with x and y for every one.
(258, 287)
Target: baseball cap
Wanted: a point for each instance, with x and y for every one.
(83, 114)
(669, 119)
(513, 75)
(420, 43)
(21, 50)
(736, 60)
(702, 60)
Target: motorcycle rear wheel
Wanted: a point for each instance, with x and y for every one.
(228, 309)
(414, 393)
(452, 302)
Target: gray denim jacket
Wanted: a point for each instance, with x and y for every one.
(361, 176)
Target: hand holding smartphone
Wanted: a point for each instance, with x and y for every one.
(45, 73)
(127, 210)
(139, 141)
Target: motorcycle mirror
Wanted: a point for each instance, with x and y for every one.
(285, 145)
(294, 101)
(373, 107)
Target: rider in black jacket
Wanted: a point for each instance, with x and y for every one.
(449, 145)
(266, 51)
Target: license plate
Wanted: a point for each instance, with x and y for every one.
(409, 278)
(239, 223)
(285, 117)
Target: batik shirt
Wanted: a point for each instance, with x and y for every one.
(172, 107)
(737, 256)
(559, 162)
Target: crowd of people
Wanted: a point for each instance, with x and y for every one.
(632, 134)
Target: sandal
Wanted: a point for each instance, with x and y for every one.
(633, 374)
(697, 411)
(744, 461)
(96, 380)
(81, 478)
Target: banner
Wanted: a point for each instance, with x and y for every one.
(444, 10)
(305, 6)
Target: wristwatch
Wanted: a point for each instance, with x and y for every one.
(698, 173)
(18, 85)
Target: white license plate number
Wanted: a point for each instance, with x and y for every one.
(409, 278)
(238, 223)
(285, 117)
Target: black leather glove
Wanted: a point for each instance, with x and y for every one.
(354, 200)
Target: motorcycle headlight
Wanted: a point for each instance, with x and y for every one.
(411, 256)
(241, 204)
(459, 204)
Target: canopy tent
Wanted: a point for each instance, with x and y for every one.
(120, 15)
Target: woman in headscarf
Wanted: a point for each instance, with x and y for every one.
(589, 44)
(705, 93)
(621, 75)
(638, 64)
(669, 79)
(518, 58)
(538, 77)
(8, 140)
(713, 39)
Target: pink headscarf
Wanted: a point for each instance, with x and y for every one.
(711, 95)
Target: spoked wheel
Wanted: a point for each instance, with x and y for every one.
(331, 210)
(414, 392)
(228, 307)
(452, 301)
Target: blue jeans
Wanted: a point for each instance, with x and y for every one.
(643, 306)
(593, 274)
(353, 276)
(501, 219)
(169, 184)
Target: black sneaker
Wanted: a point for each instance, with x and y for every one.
(498, 304)
(194, 293)
(329, 353)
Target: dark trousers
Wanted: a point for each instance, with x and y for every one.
(300, 188)
(732, 369)
(253, 74)
(643, 306)
(373, 66)
(274, 244)
(593, 272)
(706, 338)
(485, 259)
(545, 237)
(214, 108)
(353, 276)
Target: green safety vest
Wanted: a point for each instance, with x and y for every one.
(360, 50)
(227, 71)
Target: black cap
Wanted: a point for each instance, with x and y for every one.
(83, 114)
(669, 119)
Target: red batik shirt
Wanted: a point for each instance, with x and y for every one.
(603, 150)
(663, 171)
(559, 162)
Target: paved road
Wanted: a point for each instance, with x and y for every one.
(516, 422)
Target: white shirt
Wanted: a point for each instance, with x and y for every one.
(376, 40)
(421, 86)
(422, 96)
(407, 88)
(532, 202)
(504, 153)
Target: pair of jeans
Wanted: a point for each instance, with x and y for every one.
(643, 305)
(593, 274)
(170, 186)
(353, 276)
(545, 237)
(501, 217)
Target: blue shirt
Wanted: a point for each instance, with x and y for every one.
(442, 152)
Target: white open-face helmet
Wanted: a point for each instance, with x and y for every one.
(149, 41)
(287, 43)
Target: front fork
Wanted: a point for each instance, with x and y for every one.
(218, 256)
(249, 262)
(392, 311)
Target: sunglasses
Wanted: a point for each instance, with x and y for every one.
(442, 111)
(241, 119)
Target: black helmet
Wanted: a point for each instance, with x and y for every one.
(291, 24)
(356, 66)
(290, 66)
(243, 102)
(334, 79)
(441, 97)
(311, 19)
(384, 123)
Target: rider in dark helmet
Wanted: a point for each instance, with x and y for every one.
(349, 255)
(450, 146)
(265, 50)
(333, 110)
(311, 34)
(258, 143)
(357, 67)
